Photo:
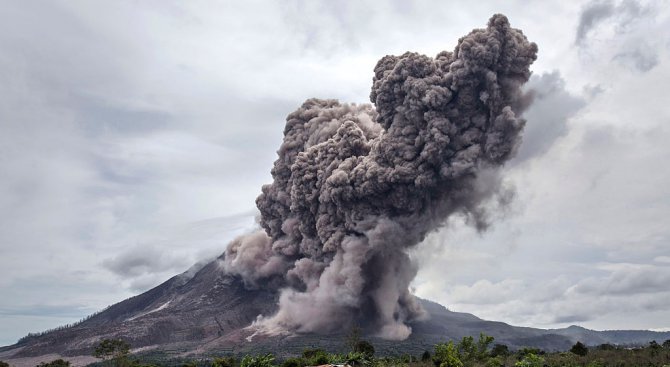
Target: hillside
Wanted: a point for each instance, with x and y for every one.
(206, 312)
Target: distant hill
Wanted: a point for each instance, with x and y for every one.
(205, 312)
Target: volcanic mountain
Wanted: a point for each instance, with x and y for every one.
(206, 312)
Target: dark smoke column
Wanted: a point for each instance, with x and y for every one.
(355, 187)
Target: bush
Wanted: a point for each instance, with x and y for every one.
(55, 363)
(315, 357)
(495, 362)
(526, 351)
(424, 357)
(357, 359)
(500, 350)
(530, 360)
(224, 362)
(115, 350)
(266, 360)
(363, 346)
(293, 362)
(596, 363)
(446, 355)
(579, 349)
(606, 346)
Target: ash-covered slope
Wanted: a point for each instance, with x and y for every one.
(207, 312)
(185, 309)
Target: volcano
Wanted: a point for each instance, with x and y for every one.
(206, 312)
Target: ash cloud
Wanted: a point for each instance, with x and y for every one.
(553, 106)
(356, 186)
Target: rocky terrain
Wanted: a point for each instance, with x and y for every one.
(206, 312)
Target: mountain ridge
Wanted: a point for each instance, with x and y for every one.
(205, 311)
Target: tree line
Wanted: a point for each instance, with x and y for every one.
(468, 352)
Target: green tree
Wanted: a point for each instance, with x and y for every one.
(470, 351)
(467, 350)
(654, 348)
(293, 362)
(666, 344)
(4, 364)
(579, 349)
(224, 362)
(424, 357)
(606, 346)
(357, 359)
(55, 363)
(266, 360)
(353, 338)
(446, 355)
(526, 351)
(530, 360)
(500, 350)
(483, 345)
(315, 357)
(113, 350)
(364, 346)
(495, 362)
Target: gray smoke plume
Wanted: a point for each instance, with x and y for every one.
(356, 186)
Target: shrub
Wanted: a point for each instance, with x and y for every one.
(55, 363)
(266, 360)
(596, 363)
(224, 362)
(424, 357)
(293, 362)
(606, 346)
(363, 346)
(530, 360)
(500, 350)
(526, 351)
(495, 362)
(115, 350)
(579, 349)
(446, 355)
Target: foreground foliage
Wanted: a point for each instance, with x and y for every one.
(471, 352)
(468, 352)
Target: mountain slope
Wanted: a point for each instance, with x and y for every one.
(206, 312)
(183, 309)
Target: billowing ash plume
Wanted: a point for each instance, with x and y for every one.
(356, 186)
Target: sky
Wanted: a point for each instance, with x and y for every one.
(135, 137)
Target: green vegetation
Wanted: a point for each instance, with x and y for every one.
(55, 363)
(225, 362)
(579, 349)
(266, 360)
(113, 351)
(468, 352)
(446, 355)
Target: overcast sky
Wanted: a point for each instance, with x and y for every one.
(135, 136)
